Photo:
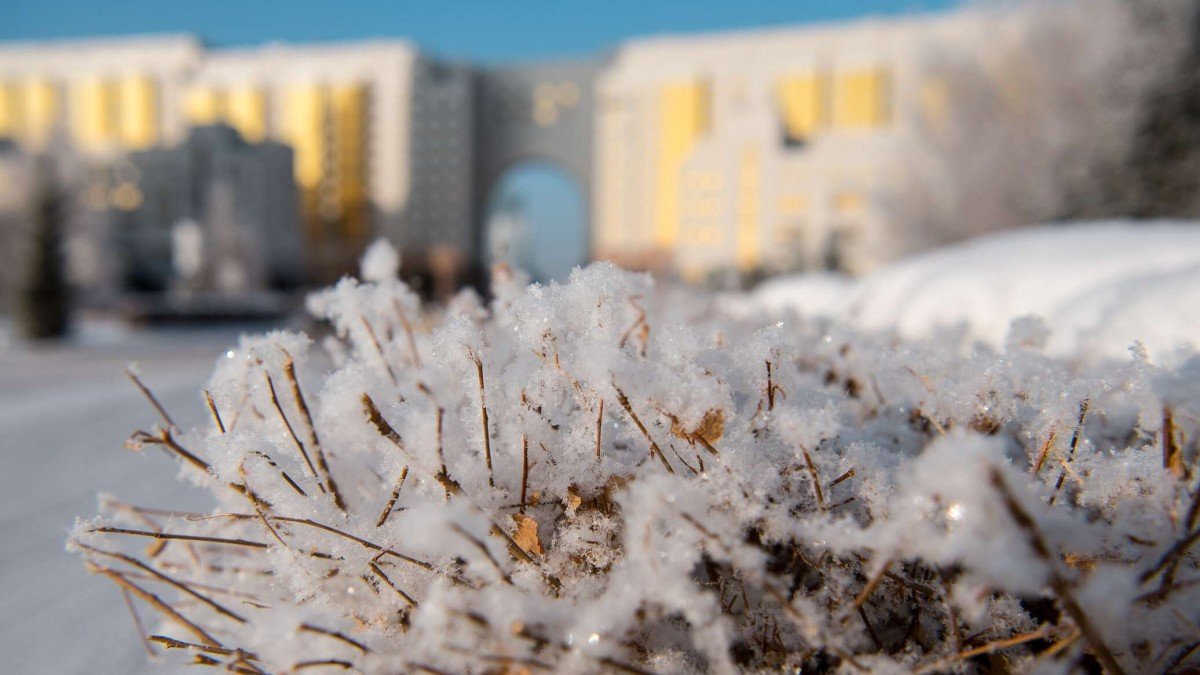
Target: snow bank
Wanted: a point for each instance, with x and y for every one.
(1098, 286)
(597, 476)
(808, 294)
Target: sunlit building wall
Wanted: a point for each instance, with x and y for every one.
(759, 151)
(363, 119)
(103, 96)
(351, 113)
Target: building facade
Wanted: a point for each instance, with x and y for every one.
(751, 152)
(213, 213)
(382, 136)
(762, 151)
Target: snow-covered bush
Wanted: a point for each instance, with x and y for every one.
(599, 476)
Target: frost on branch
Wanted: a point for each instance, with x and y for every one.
(602, 476)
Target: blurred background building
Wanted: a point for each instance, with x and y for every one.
(742, 153)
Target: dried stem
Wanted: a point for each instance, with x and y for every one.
(1058, 583)
(172, 643)
(308, 627)
(174, 583)
(287, 424)
(1172, 453)
(524, 468)
(865, 593)
(162, 412)
(154, 601)
(289, 372)
(391, 503)
(212, 408)
(408, 332)
(164, 438)
(993, 646)
(599, 427)
(137, 623)
(654, 449)
(378, 348)
(1043, 452)
(1062, 474)
(484, 550)
(816, 480)
(387, 580)
(483, 415)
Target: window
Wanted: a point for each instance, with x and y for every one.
(802, 104)
(862, 99)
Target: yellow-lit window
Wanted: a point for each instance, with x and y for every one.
(802, 102)
(203, 105)
(747, 219)
(349, 111)
(862, 99)
(247, 112)
(849, 202)
(94, 113)
(793, 205)
(684, 116)
(10, 110)
(709, 235)
(707, 180)
(40, 113)
(138, 112)
(305, 127)
(703, 207)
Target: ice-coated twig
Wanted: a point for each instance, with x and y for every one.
(162, 412)
(1058, 583)
(655, 451)
(483, 416)
(289, 373)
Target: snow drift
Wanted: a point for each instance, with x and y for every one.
(1100, 287)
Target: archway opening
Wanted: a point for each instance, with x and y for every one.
(536, 220)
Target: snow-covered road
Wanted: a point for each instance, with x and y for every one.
(64, 414)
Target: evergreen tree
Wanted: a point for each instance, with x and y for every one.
(1165, 162)
(43, 298)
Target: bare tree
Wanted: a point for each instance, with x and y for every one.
(1039, 125)
(1165, 159)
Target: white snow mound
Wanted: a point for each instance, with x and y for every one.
(1099, 287)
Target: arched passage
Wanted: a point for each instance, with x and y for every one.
(536, 219)
(533, 152)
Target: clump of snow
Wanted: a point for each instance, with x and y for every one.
(1099, 287)
(381, 261)
(811, 295)
(602, 476)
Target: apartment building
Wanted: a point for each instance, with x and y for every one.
(372, 155)
(761, 150)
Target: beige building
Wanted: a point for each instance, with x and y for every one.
(106, 95)
(762, 150)
(349, 111)
(344, 111)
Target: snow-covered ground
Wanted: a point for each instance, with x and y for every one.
(1098, 286)
(65, 412)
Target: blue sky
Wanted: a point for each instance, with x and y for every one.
(484, 30)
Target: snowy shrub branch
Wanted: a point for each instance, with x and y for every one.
(599, 476)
